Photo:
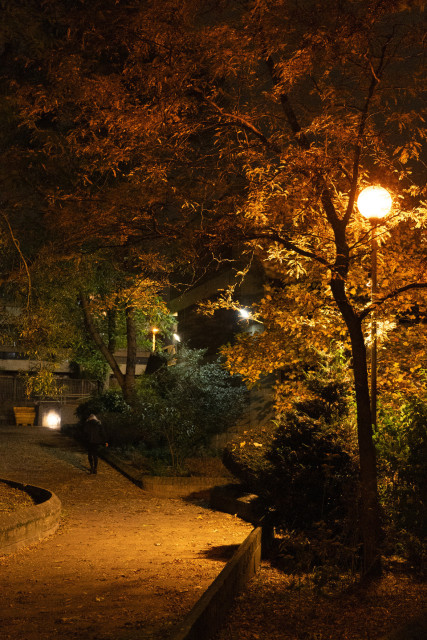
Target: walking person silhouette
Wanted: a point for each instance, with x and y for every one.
(94, 435)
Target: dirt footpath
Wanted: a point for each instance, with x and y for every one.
(122, 565)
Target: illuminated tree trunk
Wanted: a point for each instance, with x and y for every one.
(370, 522)
(370, 512)
(111, 317)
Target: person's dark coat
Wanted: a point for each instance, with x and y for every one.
(94, 432)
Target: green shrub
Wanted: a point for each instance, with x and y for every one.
(124, 428)
(311, 479)
(299, 469)
(303, 468)
(188, 403)
(245, 456)
(107, 402)
(401, 442)
(176, 411)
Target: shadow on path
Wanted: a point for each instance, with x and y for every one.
(71, 455)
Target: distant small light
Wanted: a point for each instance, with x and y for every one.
(176, 337)
(244, 313)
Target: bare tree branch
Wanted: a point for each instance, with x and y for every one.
(18, 248)
(393, 294)
(243, 122)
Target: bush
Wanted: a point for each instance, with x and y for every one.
(245, 457)
(124, 428)
(401, 442)
(311, 478)
(106, 402)
(177, 410)
(188, 403)
(303, 467)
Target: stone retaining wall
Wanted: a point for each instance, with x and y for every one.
(207, 616)
(231, 498)
(30, 524)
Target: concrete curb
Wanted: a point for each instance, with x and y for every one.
(126, 470)
(166, 487)
(207, 615)
(231, 498)
(30, 524)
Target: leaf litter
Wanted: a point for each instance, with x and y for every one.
(279, 606)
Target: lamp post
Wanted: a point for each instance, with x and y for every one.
(374, 203)
(154, 330)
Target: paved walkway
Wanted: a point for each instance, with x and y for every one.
(122, 565)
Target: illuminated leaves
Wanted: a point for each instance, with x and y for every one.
(255, 127)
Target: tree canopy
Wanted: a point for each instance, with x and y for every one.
(302, 104)
(86, 201)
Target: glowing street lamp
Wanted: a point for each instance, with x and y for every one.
(374, 203)
(154, 330)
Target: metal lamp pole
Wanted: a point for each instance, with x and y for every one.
(154, 330)
(374, 203)
(374, 291)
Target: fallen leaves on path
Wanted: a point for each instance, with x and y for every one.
(13, 499)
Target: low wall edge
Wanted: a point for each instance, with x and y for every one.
(208, 613)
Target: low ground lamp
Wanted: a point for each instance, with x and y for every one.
(52, 419)
(374, 203)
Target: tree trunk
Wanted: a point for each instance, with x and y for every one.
(97, 339)
(111, 318)
(370, 521)
(129, 387)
